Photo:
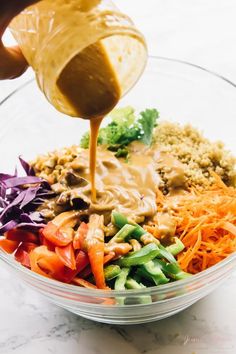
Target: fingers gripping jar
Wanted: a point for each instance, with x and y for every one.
(86, 54)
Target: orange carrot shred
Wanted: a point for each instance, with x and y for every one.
(206, 224)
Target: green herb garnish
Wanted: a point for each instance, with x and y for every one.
(124, 128)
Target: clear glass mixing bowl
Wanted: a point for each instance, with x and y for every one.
(182, 92)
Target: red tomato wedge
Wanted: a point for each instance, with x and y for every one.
(67, 255)
(58, 236)
(80, 235)
(8, 246)
(46, 263)
(22, 253)
(82, 261)
(45, 242)
(21, 236)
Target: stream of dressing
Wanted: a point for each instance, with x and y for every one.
(90, 85)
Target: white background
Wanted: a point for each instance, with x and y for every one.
(199, 31)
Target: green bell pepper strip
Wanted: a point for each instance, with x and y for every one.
(176, 247)
(111, 271)
(167, 255)
(122, 234)
(120, 220)
(120, 284)
(144, 255)
(172, 270)
(153, 272)
(121, 279)
(132, 284)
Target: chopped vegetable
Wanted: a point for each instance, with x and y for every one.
(123, 233)
(148, 122)
(176, 247)
(95, 246)
(153, 271)
(146, 254)
(67, 255)
(20, 197)
(111, 271)
(207, 230)
(125, 128)
(60, 231)
(165, 254)
(120, 221)
(121, 279)
(133, 284)
(46, 263)
(80, 235)
(20, 235)
(172, 270)
(22, 253)
(9, 246)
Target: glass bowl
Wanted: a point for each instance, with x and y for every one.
(181, 92)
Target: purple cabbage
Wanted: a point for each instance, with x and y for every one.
(26, 166)
(20, 197)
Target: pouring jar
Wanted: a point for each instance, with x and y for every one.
(51, 33)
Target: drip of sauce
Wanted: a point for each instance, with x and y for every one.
(90, 85)
(94, 129)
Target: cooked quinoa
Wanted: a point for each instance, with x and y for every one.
(198, 154)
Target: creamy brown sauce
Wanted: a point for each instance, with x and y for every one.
(127, 187)
(166, 225)
(173, 170)
(90, 85)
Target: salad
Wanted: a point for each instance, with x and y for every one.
(165, 208)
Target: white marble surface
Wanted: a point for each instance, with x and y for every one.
(199, 31)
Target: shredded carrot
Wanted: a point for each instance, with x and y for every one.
(206, 224)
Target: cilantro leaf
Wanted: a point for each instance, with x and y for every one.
(148, 121)
(125, 128)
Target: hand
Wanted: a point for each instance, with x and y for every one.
(12, 61)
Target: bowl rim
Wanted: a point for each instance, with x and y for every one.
(154, 290)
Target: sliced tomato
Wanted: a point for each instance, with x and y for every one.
(80, 236)
(44, 242)
(46, 263)
(67, 255)
(21, 236)
(22, 253)
(82, 261)
(9, 246)
(58, 236)
(22, 257)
